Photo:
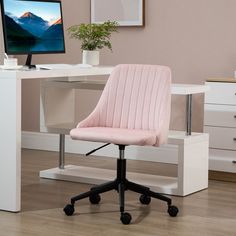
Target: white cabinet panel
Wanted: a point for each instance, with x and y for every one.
(220, 115)
(222, 138)
(221, 93)
(222, 160)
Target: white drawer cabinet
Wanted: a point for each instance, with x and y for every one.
(220, 123)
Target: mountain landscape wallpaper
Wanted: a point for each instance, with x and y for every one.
(33, 26)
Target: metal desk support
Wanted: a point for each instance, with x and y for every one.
(189, 114)
(62, 152)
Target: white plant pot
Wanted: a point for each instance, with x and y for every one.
(91, 57)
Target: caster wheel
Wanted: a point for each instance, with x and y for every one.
(144, 199)
(173, 211)
(94, 199)
(69, 209)
(125, 218)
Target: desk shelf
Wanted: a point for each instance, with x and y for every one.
(191, 157)
(90, 175)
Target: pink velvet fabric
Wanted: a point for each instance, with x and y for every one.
(134, 108)
(115, 135)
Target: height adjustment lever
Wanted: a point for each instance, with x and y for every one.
(94, 150)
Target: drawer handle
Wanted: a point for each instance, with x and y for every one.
(234, 139)
(234, 162)
(235, 116)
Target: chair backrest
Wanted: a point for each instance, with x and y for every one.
(135, 97)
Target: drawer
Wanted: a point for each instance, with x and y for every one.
(221, 138)
(222, 160)
(220, 115)
(221, 93)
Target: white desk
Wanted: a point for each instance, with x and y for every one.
(10, 124)
(188, 150)
(10, 127)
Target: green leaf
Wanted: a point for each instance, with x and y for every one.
(94, 36)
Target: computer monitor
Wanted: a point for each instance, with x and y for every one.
(32, 27)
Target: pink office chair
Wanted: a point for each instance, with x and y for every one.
(134, 109)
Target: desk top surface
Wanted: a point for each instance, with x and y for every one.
(75, 71)
(187, 89)
(69, 71)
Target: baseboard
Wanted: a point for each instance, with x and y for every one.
(50, 142)
(222, 176)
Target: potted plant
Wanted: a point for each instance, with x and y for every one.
(93, 37)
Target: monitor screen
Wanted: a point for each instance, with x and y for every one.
(32, 27)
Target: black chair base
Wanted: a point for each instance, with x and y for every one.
(121, 184)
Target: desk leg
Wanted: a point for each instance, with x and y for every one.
(62, 152)
(189, 114)
(10, 143)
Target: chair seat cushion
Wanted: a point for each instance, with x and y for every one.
(115, 135)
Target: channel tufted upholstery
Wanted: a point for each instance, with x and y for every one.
(134, 108)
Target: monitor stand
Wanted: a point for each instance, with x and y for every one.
(28, 62)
